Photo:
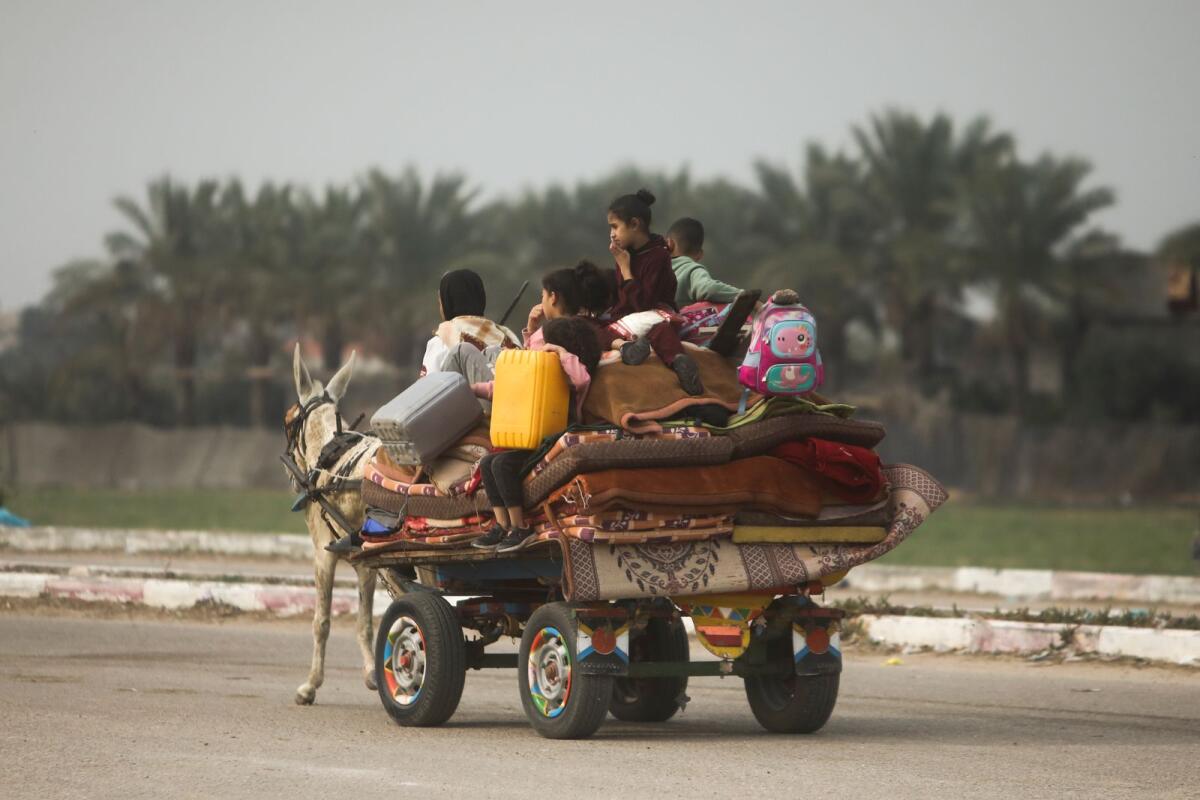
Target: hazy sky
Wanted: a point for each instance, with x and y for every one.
(97, 97)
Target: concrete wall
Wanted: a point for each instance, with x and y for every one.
(134, 456)
(991, 456)
(999, 457)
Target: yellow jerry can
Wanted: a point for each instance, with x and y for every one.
(530, 400)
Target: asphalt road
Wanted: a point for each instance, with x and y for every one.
(140, 707)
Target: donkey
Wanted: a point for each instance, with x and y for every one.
(311, 424)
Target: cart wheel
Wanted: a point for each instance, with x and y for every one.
(792, 704)
(420, 661)
(652, 699)
(560, 701)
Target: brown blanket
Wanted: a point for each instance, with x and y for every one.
(637, 398)
(761, 484)
(625, 454)
(609, 570)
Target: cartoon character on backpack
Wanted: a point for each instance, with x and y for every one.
(783, 358)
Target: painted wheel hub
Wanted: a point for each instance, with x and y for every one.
(549, 672)
(404, 661)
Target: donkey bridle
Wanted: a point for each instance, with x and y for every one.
(293, 426)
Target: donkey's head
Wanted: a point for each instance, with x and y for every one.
(315, 418)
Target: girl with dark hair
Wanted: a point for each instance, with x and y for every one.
(581, 291)
(644, 315)
(464, 333)
(574, 340)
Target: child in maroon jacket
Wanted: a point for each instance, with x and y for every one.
(645, 311)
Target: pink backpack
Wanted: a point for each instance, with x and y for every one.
(783, 358)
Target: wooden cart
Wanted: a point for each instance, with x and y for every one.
(579, 662)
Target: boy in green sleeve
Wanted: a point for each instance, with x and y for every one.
(695, 284)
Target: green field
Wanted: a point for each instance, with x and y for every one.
(1134, 540)
(215, 509)
(1139, 540)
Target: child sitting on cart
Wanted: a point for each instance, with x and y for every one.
(575, 342)
(565, 292)
(702, 300)
(644, 315)
(581, 291)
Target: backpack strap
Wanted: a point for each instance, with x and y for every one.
(743, 401)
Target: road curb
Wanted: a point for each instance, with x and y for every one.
(120, 540)
(176, 595)
(976, 635)
(973, 635)
(1026, 584)
(344, 577)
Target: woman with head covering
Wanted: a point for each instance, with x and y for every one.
(462, 301)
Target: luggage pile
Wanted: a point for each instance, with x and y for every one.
(652, 495)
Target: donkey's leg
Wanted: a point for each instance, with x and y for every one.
(324, 564)
(366, 610)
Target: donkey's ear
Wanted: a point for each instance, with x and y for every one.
(305, 389)
(339, 382)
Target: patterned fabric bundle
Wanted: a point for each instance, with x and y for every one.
(635, 526)
(420, 505)
(588, 534)
(761, 483)
(372, 473)
(430, 533)
(626, 570)
(569, 440)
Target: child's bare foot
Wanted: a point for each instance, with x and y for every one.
(688, 373)
(635, 352)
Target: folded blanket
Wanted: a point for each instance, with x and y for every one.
(876, 513)
(604, 571)
(761, 437)
(569, 440)
(625, 454)
(449, 474)
(771, 407)
(816, 534)
(383, 466)
(442, 543)
(761, 483)
(664, 535)
(638, 398)
(427, 524)
(421, 505)
(632, 520)
(849, 472)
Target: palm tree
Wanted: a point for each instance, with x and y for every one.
(1021, 216)
(331, 277)
(255, 292)
(1091, 286)
(560, 224)
(116, 302)
(816, 235)
(414, 231)
(913, 172)
(179, 238)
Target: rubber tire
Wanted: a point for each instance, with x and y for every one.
(445, 660)
(587, 702)
(805, 709)
(652, 699)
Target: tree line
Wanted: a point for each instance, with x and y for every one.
(185, 316)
